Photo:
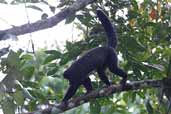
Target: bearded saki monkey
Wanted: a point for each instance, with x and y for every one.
(97, 59)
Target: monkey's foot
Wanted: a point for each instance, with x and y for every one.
(88, 92)
(63, 103)
(123, 83)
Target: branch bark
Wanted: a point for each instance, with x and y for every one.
(104, 92)
(47, 23)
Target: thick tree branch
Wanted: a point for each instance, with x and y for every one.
(55, 109)
(47, 23)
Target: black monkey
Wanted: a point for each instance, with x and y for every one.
(97, 59)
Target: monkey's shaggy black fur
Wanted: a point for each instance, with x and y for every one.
(97, 59)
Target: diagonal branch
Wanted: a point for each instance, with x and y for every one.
(47, 23)
(55, 109)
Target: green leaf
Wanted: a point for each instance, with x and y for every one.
(2, 92)
(134, 46)
(149, 107)
(18, 84)
(141, 94)
(8, 106)
(142, 56)
(32, 105)
(150, 24)
(132, 14)
(27, 94)
(169, 68)
(155, 66)
(52, 65)
(35, 8)
(52, 72)
(27, 57)
(134, 4)
(39, 94)
(136, 71)
(49, 59)
(28, 71)
(2, 95)
(65, 58)
(85, 19)
(95, 107)
(19, 98)
(13, 59)
(53, 52)
(32, 84)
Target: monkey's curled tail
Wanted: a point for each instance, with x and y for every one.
(109, 28)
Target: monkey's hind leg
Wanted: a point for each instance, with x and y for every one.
(70, 92)
(121, 73)
(113, 67)
(103, 76)
(87, 84)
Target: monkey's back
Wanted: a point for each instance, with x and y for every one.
(90, 61)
